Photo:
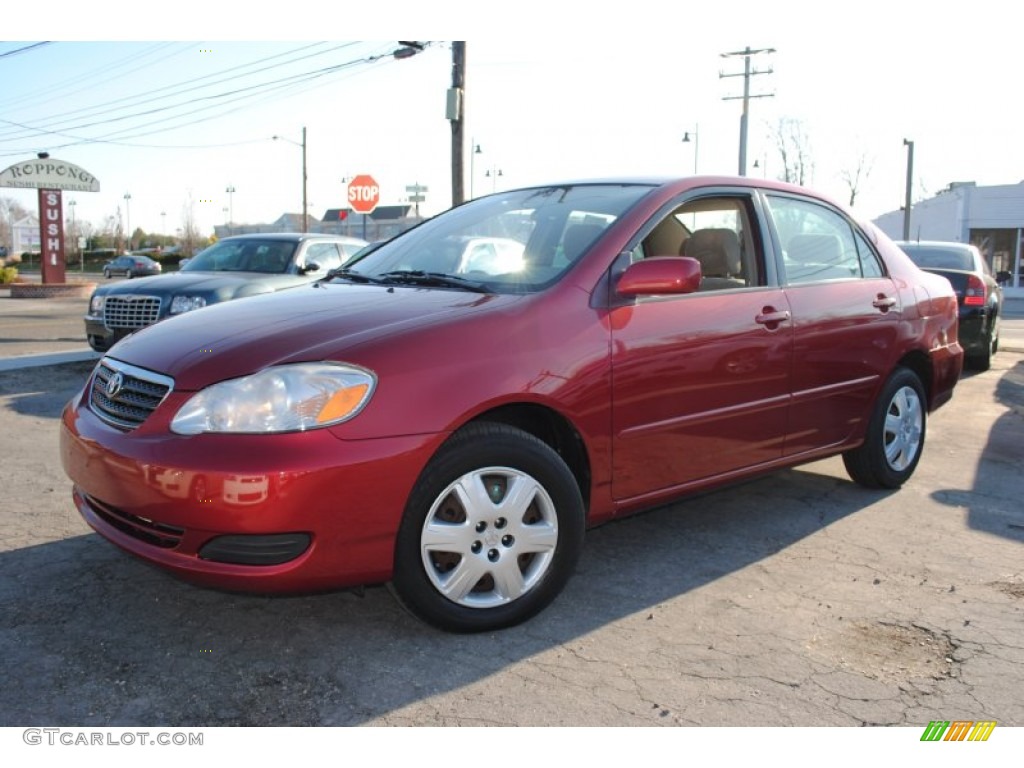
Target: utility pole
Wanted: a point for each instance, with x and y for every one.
(456, 113)
(305, 206)
(910, 183)
(747, 73)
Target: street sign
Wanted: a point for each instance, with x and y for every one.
(363, 194)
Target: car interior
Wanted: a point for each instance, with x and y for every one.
(718, 237)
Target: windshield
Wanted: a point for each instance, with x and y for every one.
(249, 255)
(513, 242)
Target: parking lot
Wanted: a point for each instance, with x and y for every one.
(796, 599)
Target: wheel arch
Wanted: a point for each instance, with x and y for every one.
(919, 362)
(550, 427)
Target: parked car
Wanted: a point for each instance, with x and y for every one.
(132, 265)
(455, 429)
(978, 294)
(233, 268)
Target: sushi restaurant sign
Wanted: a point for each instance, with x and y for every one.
(51, 177)
(49, 173)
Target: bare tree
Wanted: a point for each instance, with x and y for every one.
(10, 211)
(857, 174)
(794, 147)
(190, 236)
(119, 231)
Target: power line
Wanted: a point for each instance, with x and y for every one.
(24, 48)
(253, 94)
(54, 126)
(45, 95)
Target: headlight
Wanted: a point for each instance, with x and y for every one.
(181, 304)
(286, 398)
(96, 305)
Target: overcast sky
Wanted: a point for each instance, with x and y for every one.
(576, 90)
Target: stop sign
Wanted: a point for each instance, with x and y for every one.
(363, 193)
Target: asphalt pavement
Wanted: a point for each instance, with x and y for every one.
(797, 599)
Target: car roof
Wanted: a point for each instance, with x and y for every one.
(293, 237)
(691, 181)
(935, 244)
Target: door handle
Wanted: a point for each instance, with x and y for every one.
(771, 317)
(883, 302)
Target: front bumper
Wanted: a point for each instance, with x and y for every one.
(100, 337)
(325, 509)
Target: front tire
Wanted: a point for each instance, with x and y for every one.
(895, 435)
(106, 274)
(491, 533)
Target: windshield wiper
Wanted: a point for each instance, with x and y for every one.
(350, 274)
(419, 277)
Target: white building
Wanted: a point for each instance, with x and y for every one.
(25, 235)
(991, 218)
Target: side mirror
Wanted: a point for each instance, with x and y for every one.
(660, 275)
(311, 266)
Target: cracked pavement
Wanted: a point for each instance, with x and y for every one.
(795, 599)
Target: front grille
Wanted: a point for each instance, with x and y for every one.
(131, 312)
(141, 528)
(123, 395)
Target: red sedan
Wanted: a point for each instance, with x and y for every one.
(454, 425)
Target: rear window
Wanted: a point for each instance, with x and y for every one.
(937, 257)
(249, 255)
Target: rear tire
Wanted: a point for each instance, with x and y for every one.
(106, 274)
(491, 533)
(128, 274)
(983, 360)
(895, 435)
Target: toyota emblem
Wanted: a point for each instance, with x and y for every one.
(114, 384)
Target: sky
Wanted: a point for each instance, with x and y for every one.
(553, 92)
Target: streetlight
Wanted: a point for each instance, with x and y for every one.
(696, 145)
(163, 222)
(493, 173)
(472, 165)
(128, 217)
(305, 220)
(231, 205)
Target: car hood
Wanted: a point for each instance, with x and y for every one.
(319, 322)
(223, 285)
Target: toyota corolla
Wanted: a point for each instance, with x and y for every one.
(454, 425)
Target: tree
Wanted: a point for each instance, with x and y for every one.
(857, 174)
(119, 231)
(794, 147)
(10, 211)
(106, 235)
(190, 237)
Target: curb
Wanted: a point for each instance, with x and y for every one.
(53, 358)
(51, 290)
